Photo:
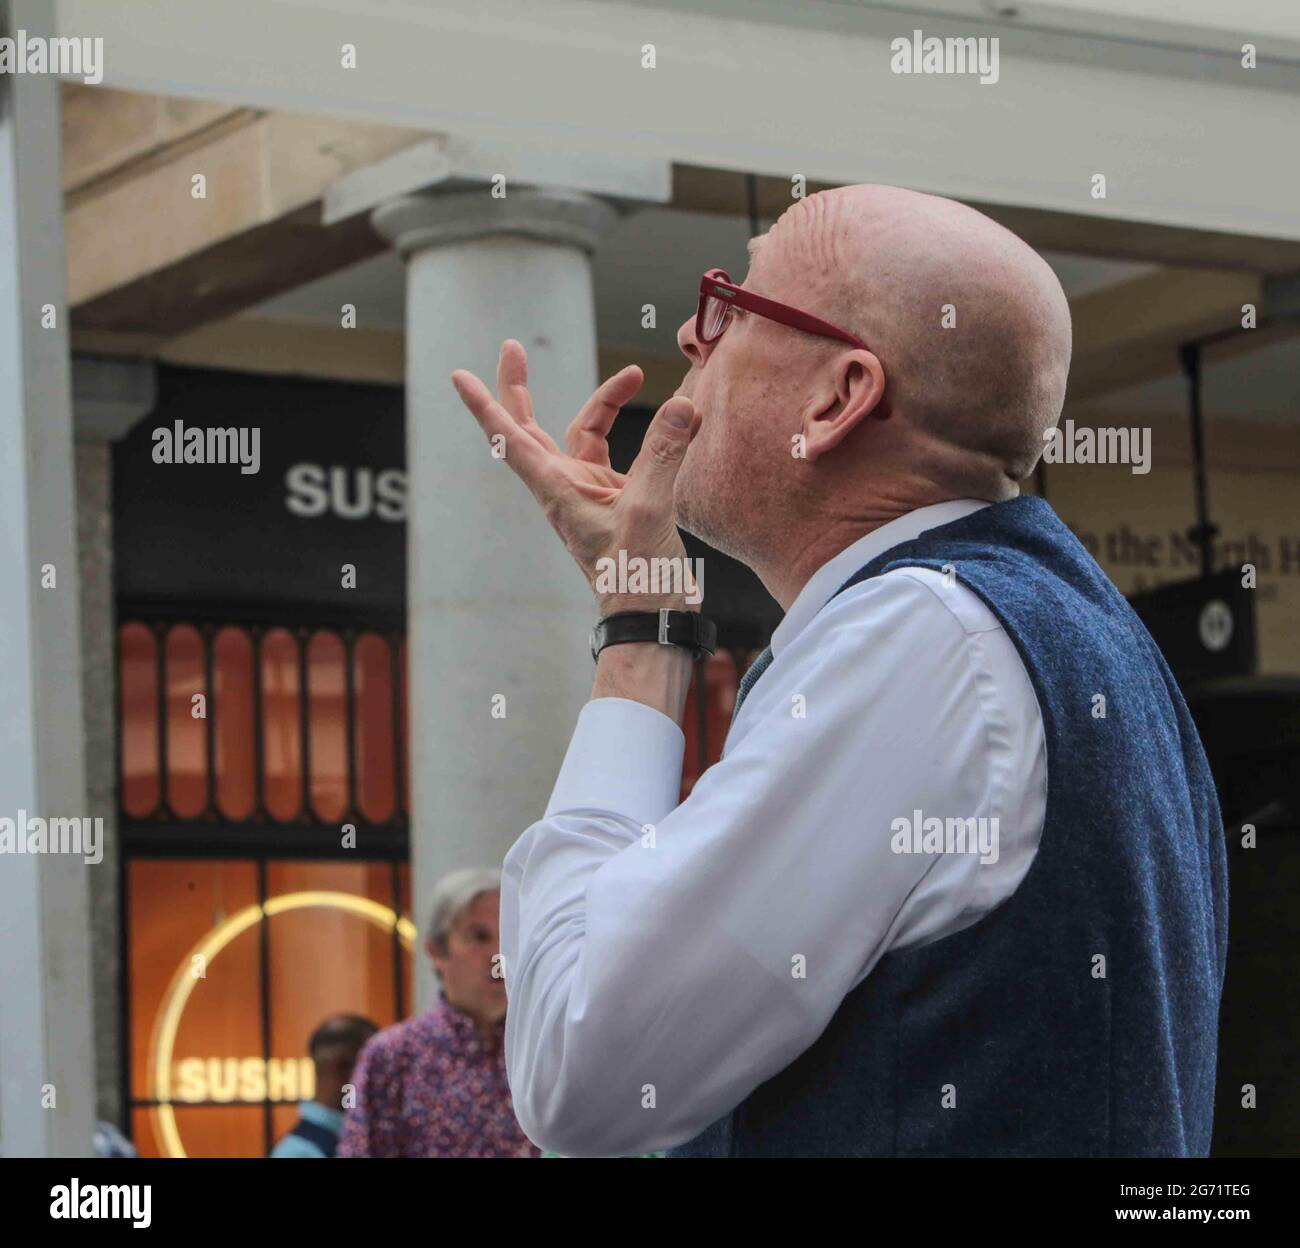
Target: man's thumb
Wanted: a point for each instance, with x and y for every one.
(665, 444)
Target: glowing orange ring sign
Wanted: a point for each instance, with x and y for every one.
(167, 1021)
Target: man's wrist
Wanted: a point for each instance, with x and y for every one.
(644, 671)
(613, 604)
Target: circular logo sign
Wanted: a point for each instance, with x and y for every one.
(193, 968)
(1215, 625)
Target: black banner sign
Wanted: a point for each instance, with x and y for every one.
(245, 491)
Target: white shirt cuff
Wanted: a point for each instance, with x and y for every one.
(625, 758)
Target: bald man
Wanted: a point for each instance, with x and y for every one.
(958, 884)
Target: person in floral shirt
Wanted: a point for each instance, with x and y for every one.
(435, 1086)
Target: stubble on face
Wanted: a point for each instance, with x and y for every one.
(724, 493)
(710, 483)
(692, 492)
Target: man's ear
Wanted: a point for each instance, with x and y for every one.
(856, 392)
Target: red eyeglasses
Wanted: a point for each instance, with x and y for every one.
(719, 294)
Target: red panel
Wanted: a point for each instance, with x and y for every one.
(138, 681)
(232, 708)
(281, 729)
(187, 736)
(404, 692)
(327, 702)
(721, 683)
(372, 678)
(232, 674)
(692, 761)
(716, 685)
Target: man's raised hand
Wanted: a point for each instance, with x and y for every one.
(596, 511)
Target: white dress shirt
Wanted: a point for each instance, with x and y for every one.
(662, 960)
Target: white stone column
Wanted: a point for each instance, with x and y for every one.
(47, 1063)
(108, 398)
(498, 613)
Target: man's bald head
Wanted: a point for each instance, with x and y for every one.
(808, 438)
(970, 323)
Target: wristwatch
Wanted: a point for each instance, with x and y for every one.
(687, 629)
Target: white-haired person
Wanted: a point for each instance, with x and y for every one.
(435, 1085)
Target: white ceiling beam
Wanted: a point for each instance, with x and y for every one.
(1273, 26)
(1182, 143)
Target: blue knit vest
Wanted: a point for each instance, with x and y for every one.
(1078, 1018)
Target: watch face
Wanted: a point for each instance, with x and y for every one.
(592, 642)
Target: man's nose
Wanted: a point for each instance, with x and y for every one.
(693, 350)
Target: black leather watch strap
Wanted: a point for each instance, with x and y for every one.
(687, 629)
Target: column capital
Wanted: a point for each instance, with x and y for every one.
(448, 163)
(414, 222)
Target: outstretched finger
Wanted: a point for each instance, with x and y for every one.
(529, 459)
(587, 434)
(512, 391)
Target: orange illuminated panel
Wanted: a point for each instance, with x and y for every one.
(232, 673)
(324, 960)
(225, 1085)
(187, 736)
(372, 666)
(172, 907)
(143, 1135)
(138, 682)
(327, 703)
(420, 920)
(222, 1130)
(281, 725)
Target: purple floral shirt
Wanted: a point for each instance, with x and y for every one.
(431, 1087)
